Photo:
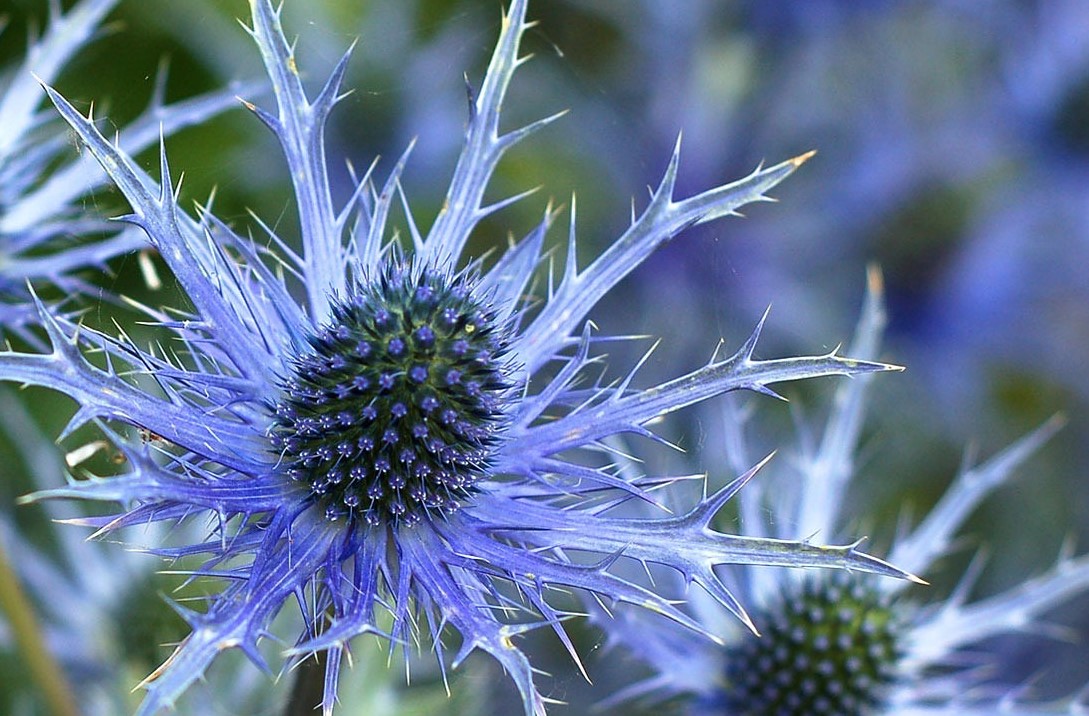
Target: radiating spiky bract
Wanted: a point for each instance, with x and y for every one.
(40, 190)
(835, 645)
(415, 435)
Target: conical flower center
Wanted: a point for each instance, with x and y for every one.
(830, 649)
(394, 412)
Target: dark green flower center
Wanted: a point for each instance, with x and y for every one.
(394, 412)
(831, 648)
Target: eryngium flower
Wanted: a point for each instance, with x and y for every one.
(415, 435)
(834, 643)
(41, 186)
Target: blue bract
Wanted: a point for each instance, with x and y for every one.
(368, 425)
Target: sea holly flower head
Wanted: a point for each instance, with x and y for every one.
(363, 425)
(829, 646)
(42, 182)
(837, 643)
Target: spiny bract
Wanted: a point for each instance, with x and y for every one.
(414, 435)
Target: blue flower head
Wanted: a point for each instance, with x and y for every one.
(371, 426)
(41, 217)
(833, 643)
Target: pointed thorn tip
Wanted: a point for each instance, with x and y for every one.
(875, 280)
(802, 158)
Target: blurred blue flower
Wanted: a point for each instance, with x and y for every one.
(98, 606)
(43, 224)
(953, 145)
(366, 426)
(839, 643)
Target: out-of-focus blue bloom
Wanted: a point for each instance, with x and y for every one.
(47, 235)
(835, 643)
(42, 182)
(953, 152)
(98, 606)
(365, 425)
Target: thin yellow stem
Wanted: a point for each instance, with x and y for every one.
(44, 669)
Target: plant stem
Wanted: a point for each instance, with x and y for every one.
(44, 669)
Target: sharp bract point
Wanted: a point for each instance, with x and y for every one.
(65, 35)
(803, 158)
(484, 147)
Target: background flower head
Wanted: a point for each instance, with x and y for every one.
(844, 643)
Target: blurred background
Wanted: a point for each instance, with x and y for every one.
(953, 142)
